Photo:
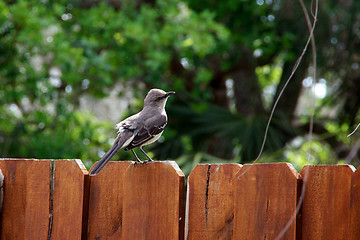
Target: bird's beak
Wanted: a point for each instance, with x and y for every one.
(169, 93)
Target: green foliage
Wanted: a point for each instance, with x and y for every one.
(220, 132)
(268, 75)
(53, 53)
(40, 135)
(309, 153)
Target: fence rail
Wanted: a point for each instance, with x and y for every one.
(57, 199)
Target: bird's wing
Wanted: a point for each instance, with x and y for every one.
(152, 127)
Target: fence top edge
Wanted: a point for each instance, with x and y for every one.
(218, 164)
(271, 163)
(289, 166)
(41, 159)
(166, 163)
(331, 166)
(125, 164)
(346, 167)
(175, 166)
(19, 159)
(77, 162)
(81, 166)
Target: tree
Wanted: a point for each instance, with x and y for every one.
(227, 61)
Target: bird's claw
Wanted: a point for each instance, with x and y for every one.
(138, 162)
(148, 161)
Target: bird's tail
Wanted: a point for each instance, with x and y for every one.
(121, 141)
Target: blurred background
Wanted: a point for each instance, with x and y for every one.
(70, 70)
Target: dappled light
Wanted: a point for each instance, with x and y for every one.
(69, 71)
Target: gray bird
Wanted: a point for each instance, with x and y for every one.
(140, 129)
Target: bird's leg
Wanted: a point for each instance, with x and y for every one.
(137, 158)
(149, 158)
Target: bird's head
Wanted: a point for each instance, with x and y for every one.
(156, 97)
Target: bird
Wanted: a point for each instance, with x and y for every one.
(140, 129)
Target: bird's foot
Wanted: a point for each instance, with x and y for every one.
(138, 161)
(148, 161)
(136, 157)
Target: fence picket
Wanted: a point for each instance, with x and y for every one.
(355, 206)
(36, 204)
(1, 193)
(326, 206)
(106, 202)
(153, 201)
(26, 199)
(68, 199)
(57, 199)
(265, 200)
(210, 203)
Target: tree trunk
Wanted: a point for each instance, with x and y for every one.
(219, 91)
(288, 101)
(247, 92)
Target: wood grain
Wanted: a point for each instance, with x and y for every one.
(68, 199)
(326, 206)
(26, 199)
(265, 201)
(153, 206)
(355, 206)
(57, 199)
(210, 202)
(42, 199)
(1, 193)
(106, 202)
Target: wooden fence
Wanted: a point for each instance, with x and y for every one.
(57, 199)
